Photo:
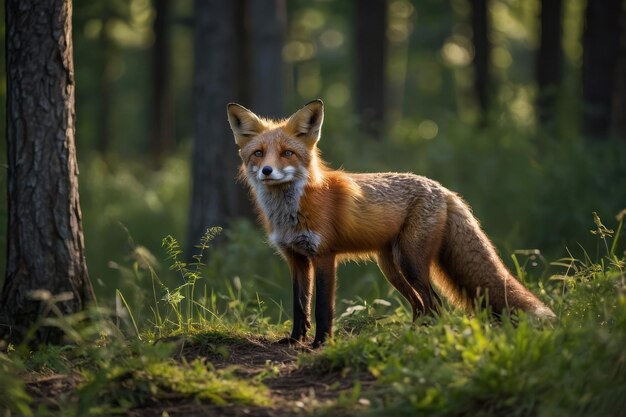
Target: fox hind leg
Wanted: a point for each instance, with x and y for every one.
(415, 250)
(390, 270)
(417, 273)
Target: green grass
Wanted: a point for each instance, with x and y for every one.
(130, 356)
(143, 373)
(13, 396)
(468, 366)
(115, 372)
(459, 365)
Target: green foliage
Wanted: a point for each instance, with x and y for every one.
(196, 298)
(197, 381)
(120, 199)
(139, 372)
(449, 365)
(529, 187)
(459, 365)
(50, 358)
(14, 401)
(116, 373)
(190, 273)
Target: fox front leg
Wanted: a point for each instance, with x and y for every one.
(302, 283)
(325, 281)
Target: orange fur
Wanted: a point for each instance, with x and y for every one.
(419, 232)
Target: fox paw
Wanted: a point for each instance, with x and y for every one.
(292, 341)
(318, 343)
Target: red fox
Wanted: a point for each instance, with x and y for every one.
(419, 232)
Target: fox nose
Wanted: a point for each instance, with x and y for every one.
(267, 170)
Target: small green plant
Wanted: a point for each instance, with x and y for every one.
(177, 309)
(200, 299)
(182, 300)
(50, 358)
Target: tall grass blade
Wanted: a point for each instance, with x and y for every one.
(120, 296)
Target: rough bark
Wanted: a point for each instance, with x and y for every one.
(482, 51)
(162, 140)
(371, 47)
(600, 52)
(267, 26)
(216, 197)
(549, 59)
(45, 248)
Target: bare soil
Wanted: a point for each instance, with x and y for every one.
(293, 390)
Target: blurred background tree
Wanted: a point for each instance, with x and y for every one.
(601, 44)
(549, 60)
(482, 52)
(267, 28)
(500, 100)
(215, 197)
(162, 140)
(370, 21)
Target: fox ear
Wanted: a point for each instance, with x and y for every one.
(306, 123)
(244, 124)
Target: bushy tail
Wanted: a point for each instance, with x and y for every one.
(469, 267)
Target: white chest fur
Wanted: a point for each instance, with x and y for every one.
(281, 206)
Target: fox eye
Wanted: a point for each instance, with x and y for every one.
(287, 154)
(258, 154)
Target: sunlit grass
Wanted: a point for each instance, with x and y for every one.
(460, 365)
(452, 364)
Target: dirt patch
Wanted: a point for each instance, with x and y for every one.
(50, 390)
(293, 390)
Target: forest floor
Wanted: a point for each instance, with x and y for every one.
(292, 390)
(378, 363)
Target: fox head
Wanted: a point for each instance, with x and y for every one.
(275, 153)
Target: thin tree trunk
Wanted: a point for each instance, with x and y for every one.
(216, 196)
(482, 52)
(243, 55)
(45, 238)
(107, 53)
(600, 51)
(162, 135)
(371, 48)
(618, 112)
(549, 59)
(267, 18)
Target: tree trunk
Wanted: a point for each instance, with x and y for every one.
(162, 140)
(243, 89)
(600, 50)
(482, 52)
(371, 47)
(216, 196)
(268, 19)
(549, 60)
(106, 56)
(45, 238)
(618, 111)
